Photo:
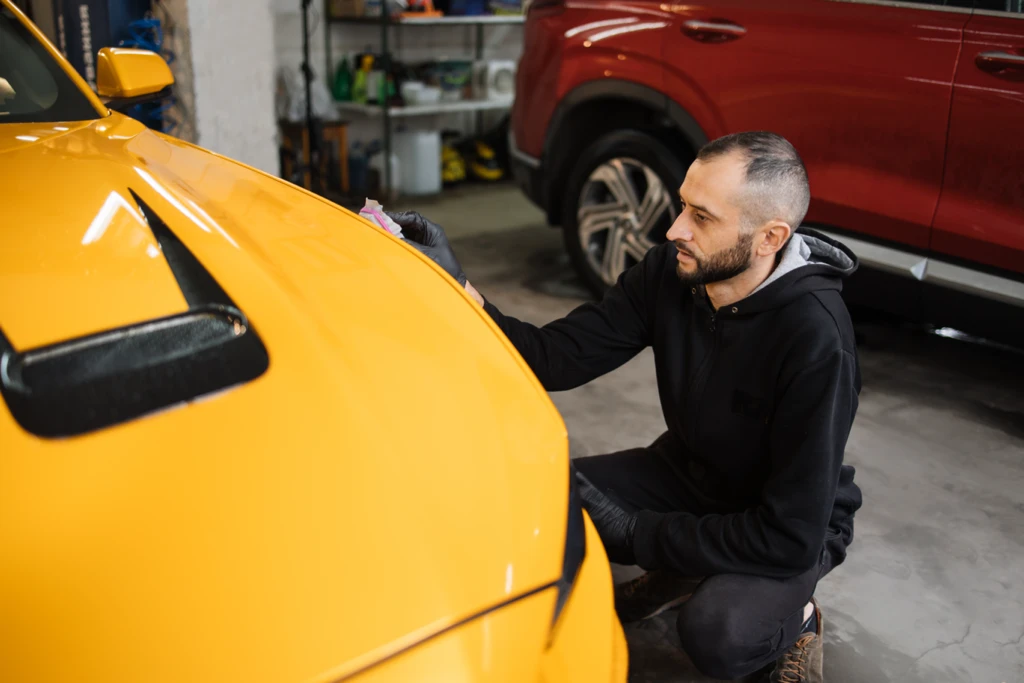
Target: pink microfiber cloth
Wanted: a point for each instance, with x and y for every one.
(374, 213)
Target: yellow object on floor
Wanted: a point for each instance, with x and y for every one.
(485, 163)
(453, 165)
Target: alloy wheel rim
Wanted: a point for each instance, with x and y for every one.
(624, 210)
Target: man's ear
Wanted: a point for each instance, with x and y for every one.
(776, 234)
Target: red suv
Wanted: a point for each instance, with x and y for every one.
(908, 115)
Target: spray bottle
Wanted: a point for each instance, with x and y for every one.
(359, 85)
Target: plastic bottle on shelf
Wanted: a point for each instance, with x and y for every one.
(388, 94)
(359, 84)
(342, 90)
(376, 81)
(394, 98)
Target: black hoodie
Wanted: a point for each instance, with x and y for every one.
(759, 398)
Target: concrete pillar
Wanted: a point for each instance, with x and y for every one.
(173, 15)
(233, 62)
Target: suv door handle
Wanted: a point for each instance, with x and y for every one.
(713, 31)
(997, 61)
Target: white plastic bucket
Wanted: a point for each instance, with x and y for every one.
(420, 154)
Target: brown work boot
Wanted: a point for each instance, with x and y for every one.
(802, 663)
(651, 594)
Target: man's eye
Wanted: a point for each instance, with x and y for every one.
(701, 218)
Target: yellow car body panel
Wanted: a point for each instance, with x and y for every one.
(393, 477)
(476, 652)
(82, 236)
(586, 646)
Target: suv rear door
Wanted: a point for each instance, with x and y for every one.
(978, 234)
(981, 212)
(862, 89)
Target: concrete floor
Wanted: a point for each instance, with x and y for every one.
(933, 590)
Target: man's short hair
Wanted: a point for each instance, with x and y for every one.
(777, 187)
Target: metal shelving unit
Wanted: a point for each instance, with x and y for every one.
(384, 21)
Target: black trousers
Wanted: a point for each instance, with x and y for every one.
(734, 624)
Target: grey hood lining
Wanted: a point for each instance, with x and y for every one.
(807, 250)
(827, 254)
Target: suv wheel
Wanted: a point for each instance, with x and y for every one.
(621, 200)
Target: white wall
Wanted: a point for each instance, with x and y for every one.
(233, 66)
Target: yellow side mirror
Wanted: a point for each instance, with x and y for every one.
(129, 74)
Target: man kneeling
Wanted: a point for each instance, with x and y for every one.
(744, 504)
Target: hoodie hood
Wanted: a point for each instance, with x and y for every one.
(810, 262)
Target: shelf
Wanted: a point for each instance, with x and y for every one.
(434, 21)
(423, 109)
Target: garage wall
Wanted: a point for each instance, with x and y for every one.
(232, 45)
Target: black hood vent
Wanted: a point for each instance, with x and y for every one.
(91, 382)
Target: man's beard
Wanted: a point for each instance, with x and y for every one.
(722, 265)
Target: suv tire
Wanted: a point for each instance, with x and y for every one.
(623, 192)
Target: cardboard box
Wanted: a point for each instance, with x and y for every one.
(347, 8)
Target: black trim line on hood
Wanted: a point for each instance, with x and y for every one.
(195, 282)
(575, 547)
(446, 629)
(98, 380)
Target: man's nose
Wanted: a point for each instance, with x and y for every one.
(679, 230)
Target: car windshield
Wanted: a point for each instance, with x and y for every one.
(33, 87)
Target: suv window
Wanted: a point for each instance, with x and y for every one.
(962, 4)
(949, 5)
(33, 87)
(1012, 6)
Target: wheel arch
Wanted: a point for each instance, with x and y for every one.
(622, 154)
(597, 107)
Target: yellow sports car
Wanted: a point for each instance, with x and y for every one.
(248, 436)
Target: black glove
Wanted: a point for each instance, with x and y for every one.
(429, 238)
(614, 525)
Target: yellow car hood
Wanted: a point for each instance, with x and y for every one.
(395, 470)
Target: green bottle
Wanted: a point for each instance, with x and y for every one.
(392, 93)
(342, 90)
